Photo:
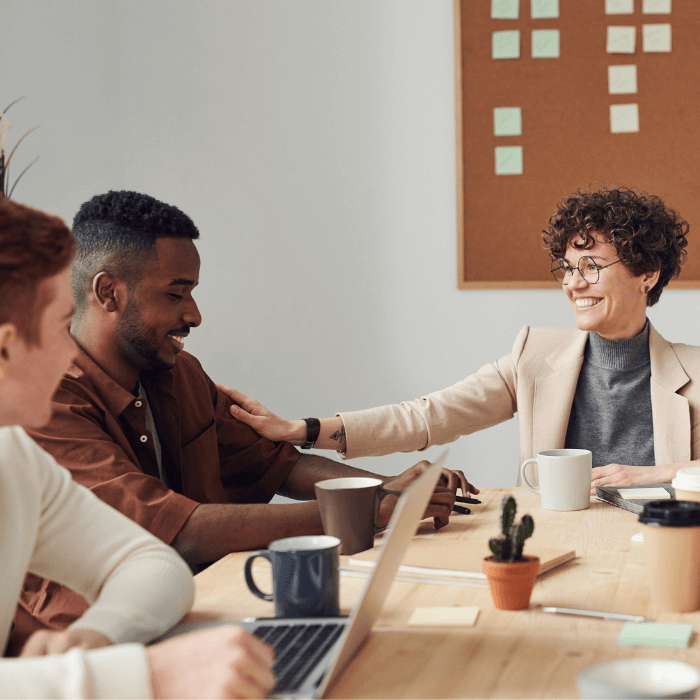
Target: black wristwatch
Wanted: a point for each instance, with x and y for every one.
(313, 428)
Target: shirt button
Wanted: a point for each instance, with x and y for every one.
(144, 438)
(138, 404)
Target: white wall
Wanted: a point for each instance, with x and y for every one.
(312, 142)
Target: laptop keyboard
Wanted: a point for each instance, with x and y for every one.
(297, 649)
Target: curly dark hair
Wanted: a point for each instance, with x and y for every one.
(646, 234)
(33, 247)
(117, 232)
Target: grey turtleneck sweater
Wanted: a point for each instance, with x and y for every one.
(611, 413)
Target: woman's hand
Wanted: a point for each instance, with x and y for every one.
(626, 475)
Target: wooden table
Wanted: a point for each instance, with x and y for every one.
(523, 654)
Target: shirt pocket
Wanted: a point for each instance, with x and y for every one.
(199, 464)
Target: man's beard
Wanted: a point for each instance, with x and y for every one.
(139, 343)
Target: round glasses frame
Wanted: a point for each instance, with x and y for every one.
(590, 273)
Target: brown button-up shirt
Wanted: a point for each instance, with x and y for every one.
(98, 431)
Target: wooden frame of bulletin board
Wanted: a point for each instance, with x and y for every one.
(569, 105)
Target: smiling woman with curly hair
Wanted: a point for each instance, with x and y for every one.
(612, 385)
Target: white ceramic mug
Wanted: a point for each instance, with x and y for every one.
(565, 478)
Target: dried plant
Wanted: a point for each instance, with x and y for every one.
(5, 125)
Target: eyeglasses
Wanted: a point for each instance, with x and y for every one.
(587, 268)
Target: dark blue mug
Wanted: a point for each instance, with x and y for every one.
(305, 576)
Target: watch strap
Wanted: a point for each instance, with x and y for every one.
(313, 428)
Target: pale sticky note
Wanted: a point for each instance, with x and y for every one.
(507, 121)
(509, 160)
(621, 40)
(655, 493)
(619, 7)
(622, 80)
(544, 9)
(656, 7)
(656, 38)
(655, 634)
(505, 44)
(624, 119)
(504, 9)
(545, 43)
(444, 617)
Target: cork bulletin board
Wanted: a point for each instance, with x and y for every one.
(602, 92)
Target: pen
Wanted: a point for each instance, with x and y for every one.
(463, 499)
(595, 613)
(460, 510)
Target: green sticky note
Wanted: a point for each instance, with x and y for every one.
(544, 9)
(505, 44)
(509, 160)
(507, 121)
(655, 634)
(505, 9)
(545, 43)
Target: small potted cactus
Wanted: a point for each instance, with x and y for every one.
(511, 575)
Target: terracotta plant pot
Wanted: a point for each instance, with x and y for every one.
(511, 582)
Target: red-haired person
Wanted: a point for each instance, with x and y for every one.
(51, 526)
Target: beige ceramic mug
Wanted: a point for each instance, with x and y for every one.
(687, 484)
(672, 553)
(349, 508)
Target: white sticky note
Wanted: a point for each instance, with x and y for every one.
(444, 617)
(619, 7)
(507, 121)
(624, 119)
(545, 43)
(656, 38)
(656, 7)
(509, 160)
(622, 80)
(505, 9)
(621, 39)
(505, 44)
(544, 9)
(656, 493)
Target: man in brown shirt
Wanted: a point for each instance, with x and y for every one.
(140, 423)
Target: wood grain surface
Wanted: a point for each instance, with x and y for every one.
(523, 654)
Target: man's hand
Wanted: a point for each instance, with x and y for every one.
(226, 662)
(262, 421)
(626, 475)
(45, 642)
(442, 500)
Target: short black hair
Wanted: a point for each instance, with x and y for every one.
(117, 232)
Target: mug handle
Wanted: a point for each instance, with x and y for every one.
(524, 478)
(248, 571)
(381, 493)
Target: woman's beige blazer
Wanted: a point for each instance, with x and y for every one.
(537, 380)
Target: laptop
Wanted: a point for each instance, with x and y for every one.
(312, 653)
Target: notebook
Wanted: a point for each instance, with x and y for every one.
(460, 558)
(312, 653)
(610, 494)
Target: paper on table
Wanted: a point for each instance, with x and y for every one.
(545, 43)
(624, 119)
(657, 493)
(621, 40)
(507, 121)
(655, 634)
(544, 9)
(656, 38)
(509, 160)
(444, 617)
(505, 44)
(622, 80)
(619, 7)
(656, 7)
(504, 9)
